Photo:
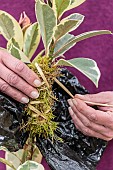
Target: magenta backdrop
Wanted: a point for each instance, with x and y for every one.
(98, 15)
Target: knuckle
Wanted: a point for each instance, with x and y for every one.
(16, 95)
(85, 131)
(27, 89)
(4, 87)
(80, 109)
(20, 66)
(87, 123)
(12, 79)
(93, 117)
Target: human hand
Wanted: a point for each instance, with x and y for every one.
(91, 122)
(16, 79)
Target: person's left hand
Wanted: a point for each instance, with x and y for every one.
(91, 122)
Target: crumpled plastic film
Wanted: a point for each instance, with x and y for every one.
(76, 152)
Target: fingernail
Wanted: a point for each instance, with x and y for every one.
(74, 102)
(70, 111)
(34, 94)
(70, 102)
(79, 95)
(24, 100)
(37, 83)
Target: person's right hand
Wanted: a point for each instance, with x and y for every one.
(16, 79)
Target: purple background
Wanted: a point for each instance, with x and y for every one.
(98, 15)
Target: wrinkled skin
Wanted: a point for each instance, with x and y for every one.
(16, 79)
(91, 122)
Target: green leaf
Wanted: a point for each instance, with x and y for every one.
(15, 156)
(75, 3)
(60, 6)
(68, 24)
(18, 54)
(87, 66)
(47, 22)
(10, 28)
(30, 165)
(31, 40)
(71, 42)
(12, 41)
(61, 43)
(4, 161)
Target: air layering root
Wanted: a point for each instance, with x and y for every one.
(40, 114)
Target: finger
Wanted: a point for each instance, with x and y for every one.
(103, 97)
(95, 116)
(21, 69)
(86, 131)
(14, 80)
(10, 91)
(93, 126)
(106, 108)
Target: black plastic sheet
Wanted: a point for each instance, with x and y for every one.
(76, 152)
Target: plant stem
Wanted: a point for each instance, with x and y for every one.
(87, 102)
(63, 87)
(42, 74)
(99, 104)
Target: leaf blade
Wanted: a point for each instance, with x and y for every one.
(61, 44)
(10, 28)
(30, 165)
(68, 24)
(60, 6)
(75, 3)
(31, 40)
(47, 22)
(77, 39)
(4, 161)
(86, 66)
(17, 53)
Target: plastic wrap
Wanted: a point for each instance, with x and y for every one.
(77, 151)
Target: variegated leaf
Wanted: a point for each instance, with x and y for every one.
(15, 156)
(47, 22)
(68, 24)
(30, 165)
(60, 6)
(87, 66)
(31, 40)
(61, 43)
(75, 3)
(14, 51)
(12, 41)
(71, 42)
(10, 28)
(6, 162)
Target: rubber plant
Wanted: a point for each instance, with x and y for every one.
(23, 39)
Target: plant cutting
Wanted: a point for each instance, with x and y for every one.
(23, 39)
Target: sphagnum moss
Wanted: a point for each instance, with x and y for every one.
(41, 118)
